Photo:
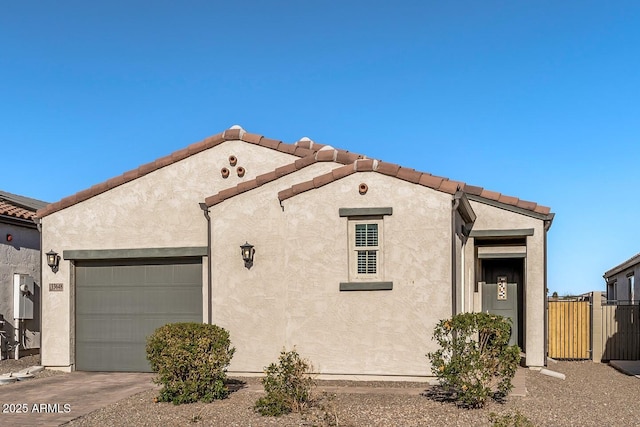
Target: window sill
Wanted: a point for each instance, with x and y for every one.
(366, 286)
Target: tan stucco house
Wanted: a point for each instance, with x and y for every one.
(354, 259)
(19, 266)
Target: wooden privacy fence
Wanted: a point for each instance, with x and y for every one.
(569, 329)
(589, 328)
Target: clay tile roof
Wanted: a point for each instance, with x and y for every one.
(530, 206)
(470, 189)
(321, 180)
(252, 138)
(430, 181)
(492, 195)
(9, 209)
(508, 200)
(270, 143)
(326, 155)
(450, 187)
(304, 162)
(342, 171)
(285, 194)
(302, 187)
(346, 157)
(410, 175)
(304, 143)
(308, 152)
(232, 134)
(388, 168)
(542, 210)
(364, 165)
(265, 177)
(286, 169)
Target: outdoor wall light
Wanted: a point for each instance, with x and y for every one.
(247, 251)
(53, 259)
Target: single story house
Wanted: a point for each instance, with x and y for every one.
(621, 281)
(351, 260)
(19, 262)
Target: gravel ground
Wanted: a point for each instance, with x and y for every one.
(12, 365)
(592, 395)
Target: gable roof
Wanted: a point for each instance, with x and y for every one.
(634, 260)
(308, 153)
(18, 207)
(363, 164)
(302, 148)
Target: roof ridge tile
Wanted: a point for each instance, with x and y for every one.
(308, 152)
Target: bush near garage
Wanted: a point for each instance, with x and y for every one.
(190, 360)
(474, 361)
(287, 384)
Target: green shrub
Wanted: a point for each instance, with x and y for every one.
(191, 361)
(288, 385)
(474, 361)
(509, 420)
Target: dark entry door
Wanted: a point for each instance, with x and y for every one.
(502, 293)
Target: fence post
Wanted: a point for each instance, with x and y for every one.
(596, 329)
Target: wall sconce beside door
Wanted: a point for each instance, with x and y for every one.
(247, 251)
(53, 260)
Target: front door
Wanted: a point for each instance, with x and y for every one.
(501, 293)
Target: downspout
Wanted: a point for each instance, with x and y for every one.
(205, 210)
(460, 207)
(454, 300)
(462, 283)
(38, 222)
(547, 226)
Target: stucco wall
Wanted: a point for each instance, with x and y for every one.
(20, 255)
(154, 211)
(494, 218)
(291, 297)
(622, 288)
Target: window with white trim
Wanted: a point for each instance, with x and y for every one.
(365, 228)
(365, 249)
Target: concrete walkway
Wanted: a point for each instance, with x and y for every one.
(629, 367)
(57, 399)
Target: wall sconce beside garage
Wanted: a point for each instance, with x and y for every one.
(247, 251)
(53, 260)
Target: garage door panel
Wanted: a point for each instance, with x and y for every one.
(138, 299)
(187, 274)
(115, 357)
(99, 276)
(126, 275)
(119, 304)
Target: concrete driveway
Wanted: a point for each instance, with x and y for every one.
(57, 399)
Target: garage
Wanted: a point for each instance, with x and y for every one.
(118, 303)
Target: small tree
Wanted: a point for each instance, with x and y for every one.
(288, 385)
(191, 361)
(474, 360)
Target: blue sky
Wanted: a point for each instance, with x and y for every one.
(538, 100)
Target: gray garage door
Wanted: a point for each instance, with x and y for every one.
(120, 303)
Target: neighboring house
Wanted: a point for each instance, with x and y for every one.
(19, 255)
(354, 260)
(621, 282)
